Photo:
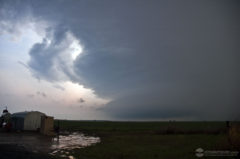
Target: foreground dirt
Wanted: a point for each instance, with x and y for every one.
(11, 151)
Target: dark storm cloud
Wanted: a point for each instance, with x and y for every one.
(48, 59)
(155, 59)
(12, 15)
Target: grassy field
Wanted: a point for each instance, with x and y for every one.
(149, 140)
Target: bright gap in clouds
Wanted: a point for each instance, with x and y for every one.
(76, 49)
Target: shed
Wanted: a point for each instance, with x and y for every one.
(27, 120)
(47, 123)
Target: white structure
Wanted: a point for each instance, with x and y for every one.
(27, 120)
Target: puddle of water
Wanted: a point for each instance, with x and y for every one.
(61, 146)
(65, 143)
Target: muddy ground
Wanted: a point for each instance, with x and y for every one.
(13, 151)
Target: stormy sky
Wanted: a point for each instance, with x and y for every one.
(121, 59)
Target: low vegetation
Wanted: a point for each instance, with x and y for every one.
(149, 140)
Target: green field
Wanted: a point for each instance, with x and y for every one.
(149, 140)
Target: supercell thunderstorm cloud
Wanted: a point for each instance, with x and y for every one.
(122, 60)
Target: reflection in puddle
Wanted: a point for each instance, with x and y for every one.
(65, 143)
(61, 146)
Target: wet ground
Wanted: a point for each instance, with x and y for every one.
(11, 151)
(34, 143)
